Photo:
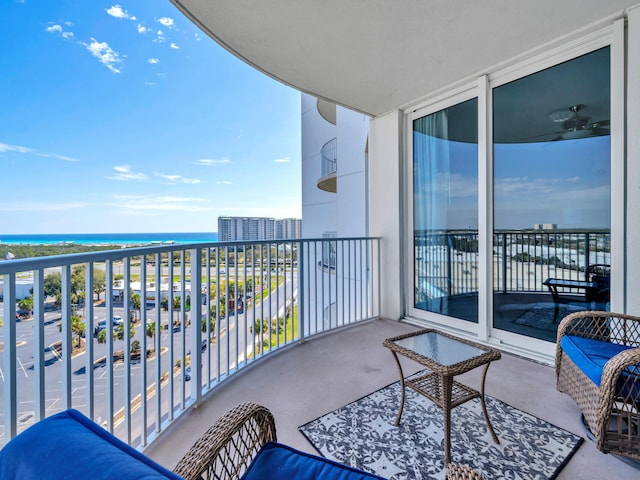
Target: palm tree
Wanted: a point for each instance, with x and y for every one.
(78, 327)
(150, 330)
(212, 324)
(136, 304)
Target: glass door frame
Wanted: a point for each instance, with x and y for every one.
(467, 92)
(612, 36)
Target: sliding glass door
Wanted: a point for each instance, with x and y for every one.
(546, 199)
(551, 201)
(445, 211)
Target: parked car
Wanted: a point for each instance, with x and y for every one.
(102, 324)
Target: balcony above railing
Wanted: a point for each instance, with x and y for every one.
(329, 162)
(134, 359)
(327, 110)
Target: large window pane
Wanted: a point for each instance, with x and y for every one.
(552, 195)
(445, 206)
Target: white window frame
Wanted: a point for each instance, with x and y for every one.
(612, 36)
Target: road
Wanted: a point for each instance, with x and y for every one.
(235, 345)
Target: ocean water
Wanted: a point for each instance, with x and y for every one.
(108, 238)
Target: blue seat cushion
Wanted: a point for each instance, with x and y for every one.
(280, 462)
(69, 445)
(590, 355)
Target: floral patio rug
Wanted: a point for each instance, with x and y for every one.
(363, 434)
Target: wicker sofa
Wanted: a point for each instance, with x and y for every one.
(598, 366)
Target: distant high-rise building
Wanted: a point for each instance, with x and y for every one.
(545, 226)
(288, 228)
(235, 229)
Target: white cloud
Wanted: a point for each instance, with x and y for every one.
(174, 46)
(179, 179)
(117, 12)
(283, 160)
(17, 148)
(54, 29)
(147, 204)
(142, 29)
(151, 84)
(124, 173)
(197, 36)
(161, 38)
(100, 50)
(153, 61)
(105, 54)
(13, 148)
(207, 162)
(224, 182)
(59, 157)
(57, 29)
(167, 22)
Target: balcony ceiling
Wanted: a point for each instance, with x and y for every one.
(375, 56)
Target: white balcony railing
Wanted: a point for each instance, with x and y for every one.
(329, 154)
(232, 303)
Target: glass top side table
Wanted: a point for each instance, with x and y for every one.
(445, 356)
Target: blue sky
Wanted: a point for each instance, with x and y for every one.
(124, 117)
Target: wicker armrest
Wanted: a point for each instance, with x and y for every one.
(600, 325)
(590, 324)
(621, 378)
(226, 449)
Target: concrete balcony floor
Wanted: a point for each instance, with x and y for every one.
(322, 374)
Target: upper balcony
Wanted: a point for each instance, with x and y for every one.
(327, 110)
(329, 163)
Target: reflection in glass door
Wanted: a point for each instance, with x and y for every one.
(445, 211)
(551, 157)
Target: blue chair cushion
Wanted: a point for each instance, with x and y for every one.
(280, 462)
(590, 355)
(69, 445)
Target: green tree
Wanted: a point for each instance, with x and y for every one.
(77, 279)
(150, 330)
(260, 326)
(53, 286)
(223, 308)
(78, 328)
(118, 332)
(99, 282)
(136, 304)
(177, 301)
(26, 304)
(212, 325)
(102, 336)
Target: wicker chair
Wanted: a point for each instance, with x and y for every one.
(611, 410)
(227, 448)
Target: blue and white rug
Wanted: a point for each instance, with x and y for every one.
(363, 434)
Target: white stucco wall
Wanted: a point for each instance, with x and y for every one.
(342, 212)
(318, 206)
(385, 217)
